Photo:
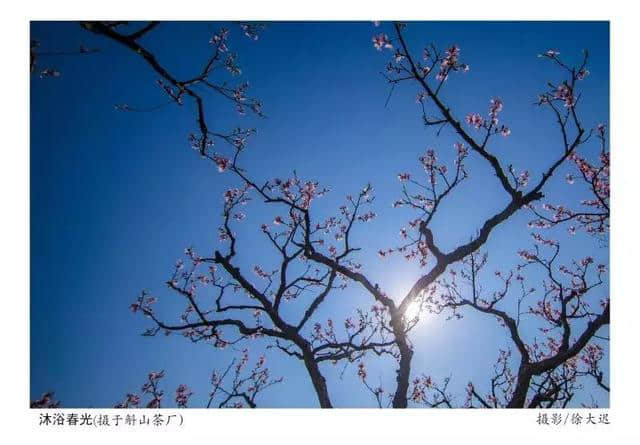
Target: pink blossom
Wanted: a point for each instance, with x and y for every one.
(429, 159)
(133, 399)
(362, 371)
(151, 300)
(495, 107)
(348, 324)
(261, 273)
(367, 217)
(381, 41)
(153, 376)
(461, 149)
(529, 256)
(586, 261)
(232, 194)
(523, 178)
(250, 30)
(453, 51)
(442, 75)
(539, 224)
(475, 120)
(219, 39)
(550, 53)
(222, 234)
(182, 395)
(582, 74)
(154, 403)
(564, 93)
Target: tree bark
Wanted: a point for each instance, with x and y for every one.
(319, 382)
(519, 397)
(404, 367)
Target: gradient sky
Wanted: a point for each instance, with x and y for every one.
(116, 196)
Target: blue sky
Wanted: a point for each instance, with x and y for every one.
(116, 197)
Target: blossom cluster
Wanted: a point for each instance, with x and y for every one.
(476, 120)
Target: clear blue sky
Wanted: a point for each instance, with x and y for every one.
(116, 197)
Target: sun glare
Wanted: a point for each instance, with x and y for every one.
(412, 311)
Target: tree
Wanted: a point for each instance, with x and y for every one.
(313, 257)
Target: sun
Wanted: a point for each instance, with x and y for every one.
(412, 311)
